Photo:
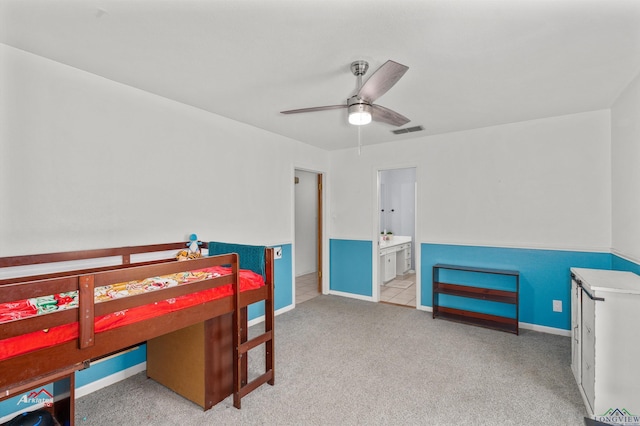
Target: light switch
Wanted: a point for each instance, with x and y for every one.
(277, 252)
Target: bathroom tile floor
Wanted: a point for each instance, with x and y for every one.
(306, 287)
(400, 296)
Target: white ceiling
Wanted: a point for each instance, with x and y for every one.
(472, 63)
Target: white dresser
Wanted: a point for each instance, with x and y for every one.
(605, 345)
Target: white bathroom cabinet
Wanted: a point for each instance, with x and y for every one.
(395, 257)
(605, 344)
(389, 259)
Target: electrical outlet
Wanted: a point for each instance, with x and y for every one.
(277, 252)
(557, 306)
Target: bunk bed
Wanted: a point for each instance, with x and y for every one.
(102, 310)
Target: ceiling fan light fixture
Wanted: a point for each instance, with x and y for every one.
(359, 114)
(360, 106)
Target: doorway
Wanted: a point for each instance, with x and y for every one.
(308, 197)
(397, 278)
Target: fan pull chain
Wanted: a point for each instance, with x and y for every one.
(359, 140)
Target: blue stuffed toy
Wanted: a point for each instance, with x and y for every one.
(193, 251)
(194, 244)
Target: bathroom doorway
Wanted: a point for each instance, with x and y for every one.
(397, 278)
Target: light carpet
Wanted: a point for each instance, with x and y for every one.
(342, 361)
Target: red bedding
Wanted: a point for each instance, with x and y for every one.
(41, 339)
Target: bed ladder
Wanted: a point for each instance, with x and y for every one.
(242, 346)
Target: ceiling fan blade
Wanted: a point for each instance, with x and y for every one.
(381, 81)
(385, 115)
(313, 109)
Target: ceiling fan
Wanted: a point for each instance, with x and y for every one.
(360, 106)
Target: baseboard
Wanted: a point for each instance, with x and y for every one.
(524, 325)
(260, 319)
(285, 309)
(110, 380)
(545, 329)
(255, 321)
(351, 295)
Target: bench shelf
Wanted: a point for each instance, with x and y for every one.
(497, 322)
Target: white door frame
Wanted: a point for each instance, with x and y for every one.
(324, 279)
(375, 252)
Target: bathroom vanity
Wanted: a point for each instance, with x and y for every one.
(395, 257)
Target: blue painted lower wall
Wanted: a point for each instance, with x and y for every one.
(283, 284)
(544, 276)
(351, 270)
(283, 273)
(620, 264)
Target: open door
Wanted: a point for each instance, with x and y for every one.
(308, 234)
(319, 233)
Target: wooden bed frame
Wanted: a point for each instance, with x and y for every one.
(226, 373)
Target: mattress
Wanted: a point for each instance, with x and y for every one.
(20, 309)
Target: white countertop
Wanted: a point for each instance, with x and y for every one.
(395, 241)
(606, 280)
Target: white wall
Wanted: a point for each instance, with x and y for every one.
(540, 184)
(625, 160)
(306, 217)
(86, 162)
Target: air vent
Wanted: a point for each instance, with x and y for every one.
(408, 130)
